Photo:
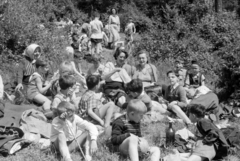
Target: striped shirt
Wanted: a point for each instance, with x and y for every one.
(122, 128)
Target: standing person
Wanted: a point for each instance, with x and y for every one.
(114, 28)
(68, 128)
(144, 70)
(96, 34)
(181, 71)
(35, 91)
(130, 30)
(126, 133)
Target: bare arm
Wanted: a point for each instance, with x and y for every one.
(40, 85)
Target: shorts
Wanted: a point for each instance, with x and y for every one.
(205, 151)
(96, 41)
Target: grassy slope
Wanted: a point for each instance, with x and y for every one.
(155, 133)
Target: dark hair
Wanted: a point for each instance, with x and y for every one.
(66, 81)
(135, 85)
(194, 62)
(40, 63)
(171, 71)
(96, 14)
(197, 109)
(92, 81)
(120, 50)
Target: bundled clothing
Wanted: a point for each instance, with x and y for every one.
(211, 142)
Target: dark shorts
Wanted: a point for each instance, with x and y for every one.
(96, 41)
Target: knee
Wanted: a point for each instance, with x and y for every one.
(133, 140)
(155, 150)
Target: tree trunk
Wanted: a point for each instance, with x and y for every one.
(218, 6)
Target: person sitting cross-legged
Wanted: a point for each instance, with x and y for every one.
(91, 105)
(67, 130)
(126, 133)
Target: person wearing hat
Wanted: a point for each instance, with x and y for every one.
(26, 67)
(36, 91)
(181, 71)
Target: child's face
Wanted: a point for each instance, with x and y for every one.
(195, 69)
(179, 65)
(44, 69)
(173, 79)
(36, 53)
(133, 95)
(136, 116)
(192, 117)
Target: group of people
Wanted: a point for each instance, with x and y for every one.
(114, 98)
(94, 34)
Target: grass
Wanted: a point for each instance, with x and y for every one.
(154, 133)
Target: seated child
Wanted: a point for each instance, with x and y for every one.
(69, 57)
(135, 91)
(194, 77)
(1, 88)
(36, 91)
(68, 128)
(175, 94)
(66, 82)
(126, 133)
(92, 106)
(211, 143)
(181, 71)
(97, 67)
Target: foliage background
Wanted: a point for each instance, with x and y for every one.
(169, 30)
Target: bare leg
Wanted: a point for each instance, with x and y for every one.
(106, 111)
(41, 99)
(195, 158)
(61, 144)
(155, 154)
(181, 114)
(130, 147)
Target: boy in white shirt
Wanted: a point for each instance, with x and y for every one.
(68, 129)
(96, 34)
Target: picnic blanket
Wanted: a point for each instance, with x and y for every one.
(13, 113)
